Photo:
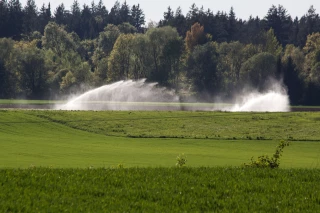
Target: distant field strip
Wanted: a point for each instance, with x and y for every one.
(180, 124)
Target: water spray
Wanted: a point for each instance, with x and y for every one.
(140, 95)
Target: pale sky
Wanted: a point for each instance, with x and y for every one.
(154, 9)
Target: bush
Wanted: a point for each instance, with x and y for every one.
(264, 161)
(181, 160)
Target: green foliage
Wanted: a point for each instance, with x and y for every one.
(221, 189)
(202, 69)
(264, 161)
(213, 125)
(174, 53)
(107, 38)
(181, 160)
(65, 139)
(120, 60)
(258, 69)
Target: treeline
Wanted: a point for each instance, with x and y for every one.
(44, 55)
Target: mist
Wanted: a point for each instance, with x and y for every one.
(122, 95)
(273, 98)
(141, 95)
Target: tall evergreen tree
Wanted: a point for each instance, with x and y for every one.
(15, 28)
(124, 12)
(44, 17)
(232, 25)
(168, 17)
(87, 24)
(137, 17)
(308, 24)
(30, 18)
(75, 18)
(4, 18)
(60, 15)
(114, 15)
(279, 20)
(180, 22)
(101, 16)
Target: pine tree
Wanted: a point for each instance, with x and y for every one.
(15, 19)
(125, 13)
(30, 18)
(4, 18)
(137, 17)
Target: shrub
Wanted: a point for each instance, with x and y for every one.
(264, 161)
(181, 160)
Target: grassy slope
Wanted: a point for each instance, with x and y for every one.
(30, 138)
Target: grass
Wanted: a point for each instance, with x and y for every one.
(159, 190)
(59, 161)
(201, 125)
(64, 139)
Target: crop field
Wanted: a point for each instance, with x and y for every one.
(159, 190)
(87, 161)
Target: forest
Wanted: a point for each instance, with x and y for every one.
(48, 53)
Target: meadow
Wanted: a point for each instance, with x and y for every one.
(69, 139)
(118, 161)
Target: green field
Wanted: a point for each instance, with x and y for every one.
(81, 139)
(159, 190)
(124, 161)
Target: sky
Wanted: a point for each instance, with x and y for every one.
(154, 9)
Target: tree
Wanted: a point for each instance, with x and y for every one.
(137, 18)
(60, 15)
(142, 59)
(195, 36)
(114, 15)
(232, 25)
(279, 20)
(30, 18)
(107, 38)
(120, 61)
(293, 61)
(75, 18)
(312, 59)
(44, 17)
(8, 78)
(231, 57)
(270, 44)
(308, 24)
(4, 18)
(57, 39)
(124, 13)
(193, 14)
(202, 69)
(168, 17)
(159, 38)
(127, 28)
(101, 16)
(15, 28)
(179, 22)
(32, 70)
(88, 24)
(258, 69)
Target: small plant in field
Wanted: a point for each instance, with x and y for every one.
(181, 160)
(264, 161)
(120, 166)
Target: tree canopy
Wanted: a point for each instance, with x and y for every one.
(46, 52)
